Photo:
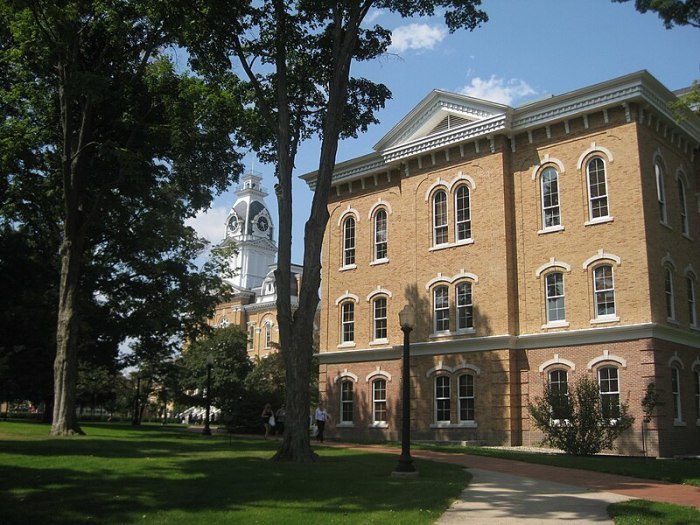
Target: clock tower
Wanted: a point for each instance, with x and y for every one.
(249, 226)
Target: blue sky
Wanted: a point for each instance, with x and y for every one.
(527, 50)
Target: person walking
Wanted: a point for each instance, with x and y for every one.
(265, 416)
(321, 417)
(280, 416)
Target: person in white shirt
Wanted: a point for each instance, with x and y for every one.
(321, 417)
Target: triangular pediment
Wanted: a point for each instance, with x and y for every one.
(437, 113)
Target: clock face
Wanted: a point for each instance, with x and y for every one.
(263, 224)
(233, 224)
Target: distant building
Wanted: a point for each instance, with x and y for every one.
(538, 244)
(250, 227)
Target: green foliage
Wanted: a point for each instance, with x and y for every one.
(582, 426)
(672, 12)
(650, 401)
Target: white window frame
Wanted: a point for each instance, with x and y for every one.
(692, 303)
(381, 235)
(600, 292)
(683, 205)
(379, 404)
(659, 175)
(441, 234)
(465, 302)
(347, 322)
(463, 214)
(550, 297)
(268, 335)
(442, 310)
(349, 242)
(380, 322)
(442, 392)
(345, 402)
(556, 208)
(613, 393)
(676, 395)
(669, 294)
(602, 197)
(552, 380)
(465, 397)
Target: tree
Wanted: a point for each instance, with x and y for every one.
(95, 108)
(296, 57)
(577, 422)
(678, 12)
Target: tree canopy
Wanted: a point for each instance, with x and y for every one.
(672, 12)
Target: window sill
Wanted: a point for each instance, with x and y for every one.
(556, 324)
(345, 424)
(673, 321)
(679, 423)
(605, 319)
(447, 245)
(379, 424)
(666, 225)
(599, 220)
(377, 262)
(695, 327)
(346, 345)
(463, 331)
(687, 237)
(379, 342)
(550, 229)
(347, 268)
(463, 424)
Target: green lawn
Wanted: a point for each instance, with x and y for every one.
(120, 475)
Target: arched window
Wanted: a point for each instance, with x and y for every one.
(349, 241)
(466, 398)
(465, 306)
(554, 297)
(660, 189)
(268, 335)
(609, 385)
(463, 220)
(603, 291)
(440, 229)
(348, 322)
(676, 394)
(251, 336)
(683, 205)
(346, 402)
(441, 309)
(442, 399)
(380, 235)
(597, 189)
(379, 413)
(559, 386)
(692, 312)
(380, 318)
(549, 185)
(668, 293)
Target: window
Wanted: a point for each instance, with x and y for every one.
(554, 291)
(268, 335)
(380, 235)
(440, 218)
(346, 402)
(251, 336)
(609, 385)
(349, 241)
(660, 190)
(597, 189)
(463, 225)
(549, 183)
(379, 401)
(559, 386)
(465, 312)
(441, 309)
(348, 322)
(683, 207)
(692, 312)
(466, 397)
(676, 393)
(380, 319)
(442, 399)
(604, 291)
(668, 292)
(697, 395)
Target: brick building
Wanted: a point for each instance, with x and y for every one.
(537, 244)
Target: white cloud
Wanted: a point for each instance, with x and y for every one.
(210, 224)
(498, 89)
(372, 16)
(416, 36)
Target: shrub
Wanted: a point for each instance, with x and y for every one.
(582, 425)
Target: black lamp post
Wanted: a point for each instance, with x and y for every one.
(407, 319)
(207, 430)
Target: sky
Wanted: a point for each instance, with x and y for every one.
(529, 49)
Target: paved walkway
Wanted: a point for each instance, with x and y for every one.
(505, 492)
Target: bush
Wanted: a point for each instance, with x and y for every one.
(576, 421)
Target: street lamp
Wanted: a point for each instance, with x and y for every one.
(207, 430)
(407, 319)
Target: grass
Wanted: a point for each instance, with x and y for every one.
(682, 471)
(159, 475)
